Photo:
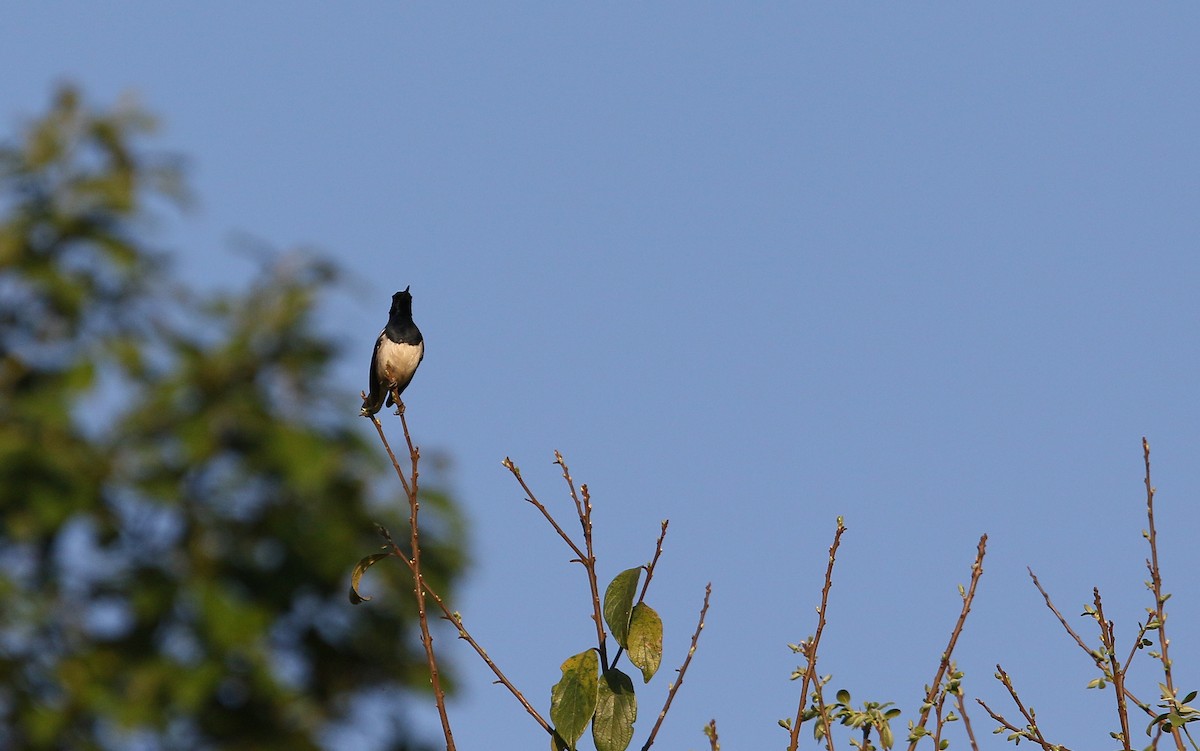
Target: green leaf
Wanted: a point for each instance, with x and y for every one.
(886, 739)
(1156, 721)
(618, 603)
(843, 696)
(573, 699)
(360, 568)
(616, 711)
(645, 640)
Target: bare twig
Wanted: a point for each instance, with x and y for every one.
(580, 508)
(998, 717)
(529, 496)
(388, 447)
(1090, 652)
(682, 670)
(1133, 648)
(822, 713)
(1031, 731)
(414, 507)
(1159, 613)
(710, 732)
(1022, 732)
(1108, 639)
(962, 710)
(939, 721)
(585, 556)
(658, 549)
(590, 565)
(968, 597)
(465, 635)
(809, 646)
(1056, 612)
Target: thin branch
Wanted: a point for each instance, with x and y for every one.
(388, 447)
(1022, 732)
(1190, 738)
(962, 710)
(587, 556)
(531, 498)
(456, 619)
(579, 506)
(590, 566)
(710, 732)
(1133, 648)
(584, 509)
(1160, 613)
(1090, 652)
(414, 507)
(1031, 731)
(1108, 638)
(999, 717)
(658, 549)
(822, 713)
(1056, 612)
(939, 721)
(682, 670)
(809, 647)
(968, 597)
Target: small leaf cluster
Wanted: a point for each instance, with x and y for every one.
(603, 695)
(873, 716)
(1176, 714)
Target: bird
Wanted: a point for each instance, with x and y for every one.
(398, 351)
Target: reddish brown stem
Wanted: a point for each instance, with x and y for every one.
(465, 635)
(810, 646)
(682, 670)
(414, 507)
(1160, 613)
(944, 664)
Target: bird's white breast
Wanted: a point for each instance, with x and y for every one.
(397, 362)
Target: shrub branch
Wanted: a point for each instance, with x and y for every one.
(414, 563)
(967, 598)
(809, 646)
(682, 670)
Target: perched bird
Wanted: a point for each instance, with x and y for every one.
(398, 351)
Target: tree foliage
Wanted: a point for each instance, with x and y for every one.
(182, 489)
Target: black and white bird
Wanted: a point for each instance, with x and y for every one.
(398, 351)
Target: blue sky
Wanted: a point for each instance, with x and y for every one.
(930, 267)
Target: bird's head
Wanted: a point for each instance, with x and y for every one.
(402, 301)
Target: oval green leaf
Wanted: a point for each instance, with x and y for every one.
(616, 711)
(618, 603)
(645, 640)
(573, 698)
(885, 736)
(360, 568)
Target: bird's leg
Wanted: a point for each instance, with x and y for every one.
(399, 403)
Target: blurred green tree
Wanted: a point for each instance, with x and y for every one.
(183, 493)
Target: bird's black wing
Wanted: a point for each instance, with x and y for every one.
(377, 389)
